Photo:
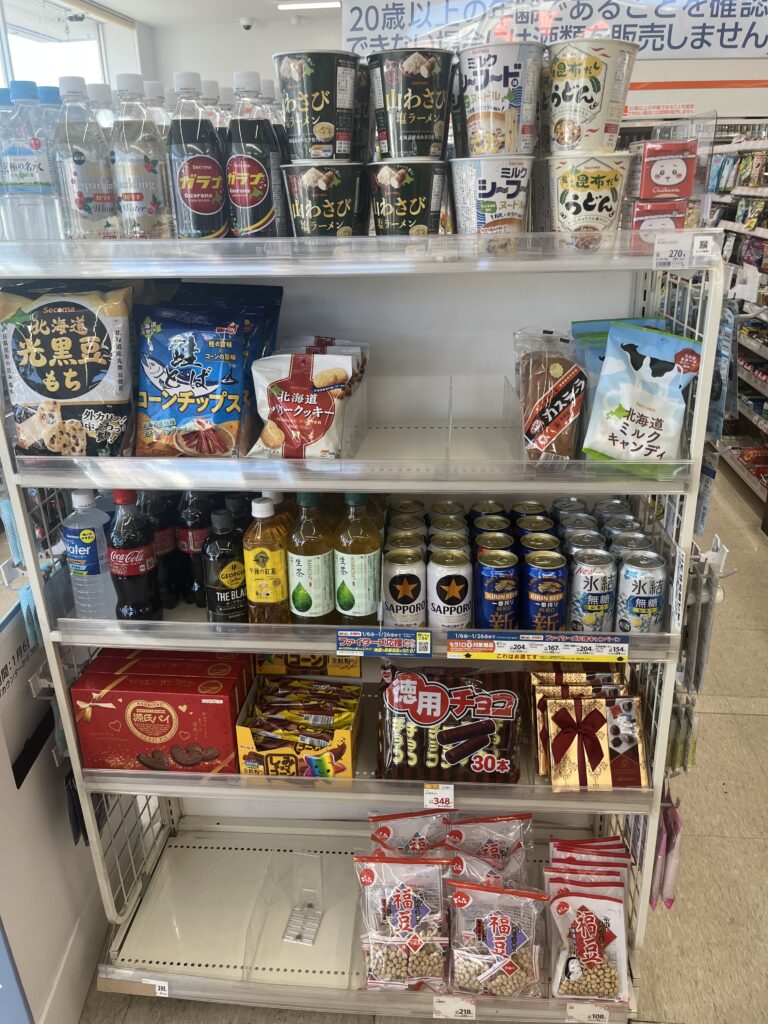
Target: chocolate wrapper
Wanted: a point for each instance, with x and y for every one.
(542, 693)
(626, 745)
(578, 743)
(555, 673)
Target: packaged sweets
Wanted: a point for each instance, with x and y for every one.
(542, 693)
(405, 921)
(592, 947)
(491, 839)
(514, 871)
(497, 940)
(68, 368)
(552, 389)
(662, 169)
(309, 664)
(409, 834)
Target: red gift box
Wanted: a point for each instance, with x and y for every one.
(644, 219)
(662, 169)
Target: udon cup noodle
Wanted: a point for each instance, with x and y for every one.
(406, 196)
(588, 84)
(318, 88)
(490, 194)
(325, 197)
(411, 93)
(585, 192)
(500, 87)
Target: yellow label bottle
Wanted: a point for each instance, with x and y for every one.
(266, 565)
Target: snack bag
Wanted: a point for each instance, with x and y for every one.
(552, 388)
(405, 921)
(491, 839)
(514, 872)
(68, 368)
(410, 834)
(592, 955)
(639, 405)
(497, 940)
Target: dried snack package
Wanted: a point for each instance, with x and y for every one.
(491, 839)
(405, 921)
(497, 940)
(552, 387)
(301, 401)
(592, 955)
(412, 833)
(514, 872)
(640, 401)
(68, 368)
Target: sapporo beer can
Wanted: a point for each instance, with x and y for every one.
(449, 590)
(448, 542)
(487, 507)
(407, 507)
(404, 588)
(492, 542)
(575, 521)
(407, 524)
(497, 590)
(545, 601)
(569, 504)
(401, 539)
(577, 540)
(642, 593)
(448, 524)
(526, 508)
(621, 524)
(593, 591)
(611, 507)
(447, 508)
(490, 524)
(534, 524)
(624, 544)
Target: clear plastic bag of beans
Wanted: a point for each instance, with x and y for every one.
(497, 940)
(492, 838)
(410, 834)
(405, 921)
(514, 872)
(590, 961)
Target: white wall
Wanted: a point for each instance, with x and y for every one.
(727, 102)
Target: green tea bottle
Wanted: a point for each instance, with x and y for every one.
(357, 564)
(310, 563)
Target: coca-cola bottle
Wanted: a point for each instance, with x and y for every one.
(161, 514)
(193, 524)
(240, 507)
(132, 562)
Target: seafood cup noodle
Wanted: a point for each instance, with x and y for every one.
(585, 192)
(499, 90)
(490, 194)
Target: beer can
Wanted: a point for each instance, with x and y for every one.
(545, 601)
(449, 591)
(526, 508)
(575, 521)
(408, 507)
(626, 543)
(614, 525)
(534, 524)
(593, 591)
(642, 593)
(576, 540)
(448, 524)
(485, 508)
(492, 542)
(497, 590)
(611, 507)
(490, 524)
(447, 508)
(401, 539)
(560, 505)
(404, 588)
(407, 524)
(531, 542)
(448, 542)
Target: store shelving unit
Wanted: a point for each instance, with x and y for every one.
(195, 870)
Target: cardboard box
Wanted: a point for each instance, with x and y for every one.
(309, 665)
(662, 169)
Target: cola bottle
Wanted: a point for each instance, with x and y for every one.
(161, 514)
(193, 524)
(132, 562)
(240, 507)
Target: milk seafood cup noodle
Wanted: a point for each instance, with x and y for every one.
(490, 194)
(585, 193)
(499, 89)
(318, 88)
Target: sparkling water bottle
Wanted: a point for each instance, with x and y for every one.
(83, 533)
(50, 106)
(158, 111)
(102, 108)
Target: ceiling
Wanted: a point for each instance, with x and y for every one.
(173, 12)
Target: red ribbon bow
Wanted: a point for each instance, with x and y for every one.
(584, 731)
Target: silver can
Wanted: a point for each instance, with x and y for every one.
(449, 591)
(448, 542)
(407, 524)
(614, 525)
(404, 588)
(448, 524)
(627, 543)
(408, 507)
(642, 593)
(611, 507)
(593, 591)
(402, 539)
(567, 504)
(447, 508)
(575, 521)
(485, 508)
(577, 540)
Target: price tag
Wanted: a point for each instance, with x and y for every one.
(703, 250)
(438, 796)
(384, 643)
(453, 1008)
(671, 250)
(678, 590)
(161, 987)
(586, 1013)
(746, 283)
(507, 645)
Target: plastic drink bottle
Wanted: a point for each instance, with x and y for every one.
(226, 106)
(276, 116)
(100, 101)
(155, 97)
(209, 97)
(49, 98)
(83, 533)
(132, 562)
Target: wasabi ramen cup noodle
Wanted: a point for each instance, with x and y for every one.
(585, 193)
(411, 93)
(362, 121)
(325, 197)
(318, 88)
(591, 949)
(588, 83)
(499, 88)
(490, 194)
(406, 196)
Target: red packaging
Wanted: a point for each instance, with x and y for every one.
(162, 723)
(662, 169)
(645, 218)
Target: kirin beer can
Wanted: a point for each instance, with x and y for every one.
(545, 601)
(497, 588)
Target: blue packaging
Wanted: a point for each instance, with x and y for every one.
(497, 590)
(545, 601)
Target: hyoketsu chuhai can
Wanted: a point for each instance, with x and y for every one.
(593, 591)
(449, 590)
(545, 600)
(615, 525)
(627, 543)
(603, 510)
(318, 88)
(497, 589)
(641, 593)
(404, 588)
(575, 521)
(566, 504)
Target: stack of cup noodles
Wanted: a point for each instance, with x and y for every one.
(588, 81)
(325, 101)
(495, 112)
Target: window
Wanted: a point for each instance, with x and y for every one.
(46, 40)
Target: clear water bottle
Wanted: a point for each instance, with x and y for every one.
(102, 107)
(155, 95)
(30, 202)
(105, 502)
(6, 108)
(209, 97)
(86, 540)
(171, 98)
(50, 105)
(84, 167)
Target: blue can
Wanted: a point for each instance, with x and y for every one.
(526, 508)
(497, 590)
(534, 524)
(545, 602)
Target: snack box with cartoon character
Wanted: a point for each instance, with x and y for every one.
(662, 169)
(300, 727)
(644, 219)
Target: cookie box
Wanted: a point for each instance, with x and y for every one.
(309, 665)
(644, 218)
(662, 169)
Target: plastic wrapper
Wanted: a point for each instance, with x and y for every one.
(410, 834)
(552, 387)
(674, 852)
(405, 921)
(497, 940)
(513, 872)
(659, 863)
(492, 839)
(591, 948)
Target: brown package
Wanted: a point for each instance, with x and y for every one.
(552, 391)
(578, 743)
(543, 693)
(556, 673)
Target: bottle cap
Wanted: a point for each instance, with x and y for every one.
(222, 520)
(268, 89)
(82, 499)
(306, 499)
(130, 84)
(72, 87)
(48, 94)
(235, 502)
(154, 91)
(262, 508)
(124, 497)
(352, 498)
(23, 91)
(186, 81)
(226, 96)
(210, 89)
(274, 496)
(171, 98)
(100, 94)
(5, 97)
(247, 81)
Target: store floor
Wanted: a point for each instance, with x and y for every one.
(704, 962)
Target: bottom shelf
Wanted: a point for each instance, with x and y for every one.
(731, 457)
(210, 928)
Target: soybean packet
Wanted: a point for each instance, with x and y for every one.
(465, 867)
(408, 834)
(68, 367)
(591, 947)
(493, 839)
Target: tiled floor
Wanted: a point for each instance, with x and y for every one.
(704, 962)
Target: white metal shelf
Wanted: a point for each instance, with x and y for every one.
(753, 381)
(748, 413)
(730, 456)
(753, 191)
(750, 146)
(740, 229)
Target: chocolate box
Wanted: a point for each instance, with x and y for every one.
(543, 693)
(626, 745)
(310, 665)
(662, 169)
(644, 218)
(156, 722)
(578, 743)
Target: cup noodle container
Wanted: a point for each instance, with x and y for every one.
(588, 83)
(407, 195)
(411, 93)
(585, 195)
(490, 194)
(500, 87)
(318, 88)
(326, 198)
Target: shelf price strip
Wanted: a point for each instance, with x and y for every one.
(488, 645)
(438, 796)
(586, 1013)
(453, 1008)
(384, 643)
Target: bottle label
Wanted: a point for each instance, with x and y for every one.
(27, 168)
(251, 186)
(225, 591)
(358, 583)
(266, 575)
(142, 195)
(190, 540)
(131, 561)
(200, 185)
(311, 584)
(82, 551)
(165, 541)
(88, 193)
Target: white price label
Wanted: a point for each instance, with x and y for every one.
(703, 249)
(160, 987)
(586, 1013)
(438, 796)
(671, 250)
(746, 284)
(453, 1008)
(678, 590)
